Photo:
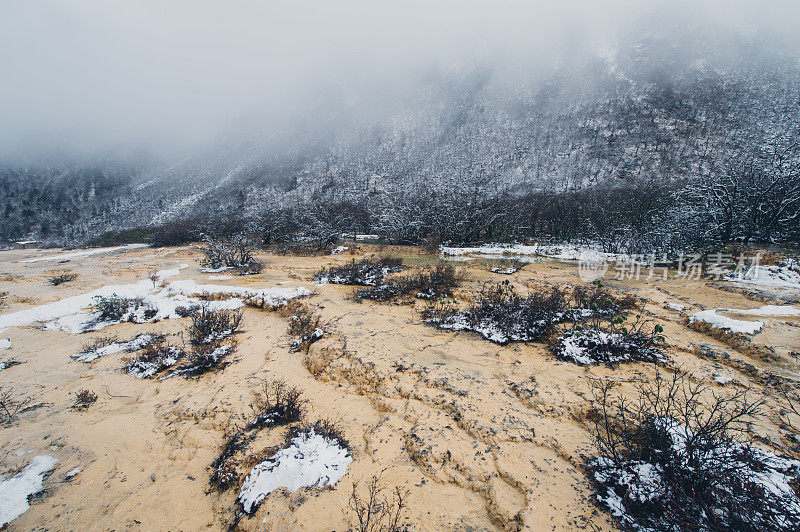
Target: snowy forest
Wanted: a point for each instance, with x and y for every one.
(662, 145)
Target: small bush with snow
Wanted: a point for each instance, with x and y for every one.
(424, 283)
(674, 459)
(501, 315)
(611, 341)
(156, 357)
(366, 272)
(231, 253)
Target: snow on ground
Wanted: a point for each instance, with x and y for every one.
(135, 344)
(772, 310)
(310, 460)
(676, 307)
(14, 491)
(339, 249)
(528, 253)
(723, 322)
(5, 343)
(86, 253)
(785, 275)
(70, 314)
(220, 277)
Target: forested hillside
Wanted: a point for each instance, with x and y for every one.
(602, 149)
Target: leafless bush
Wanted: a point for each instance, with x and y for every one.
(277, 405)
(84, 399)
(11, 407)
(211, 326)
(376, 512)
(304, 325)
(674, 458)
(595, 299)
(426, 283)
(366, 272)
(611, 341)
(156, 357)
(61, 278)
(235, 252)
(502, 315)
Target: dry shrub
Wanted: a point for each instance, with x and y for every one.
(502, 315)
(276, 405)
(61, 278)
(84, 399)
(305, 327)
(11, 407)
(156, 357)
(235, 252)
(599, 300)
(425, 283)
(675, 458)
(210, 326)
(376, 512)
(366, 272)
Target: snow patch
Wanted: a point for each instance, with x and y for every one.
(135, 344)
(310, 460)
(5, 343)
(723, 322)
(86, 253)
(14, 491)
(155, 303)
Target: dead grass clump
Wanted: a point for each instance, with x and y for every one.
(501, 315)
(675, 458)
(61, 278)
(84, 399)
(316, 362)
(376, 512)
(11, 407)
(366, 272)
(425, 283)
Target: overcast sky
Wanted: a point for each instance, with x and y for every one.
(90, 77)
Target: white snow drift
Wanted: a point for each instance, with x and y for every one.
(85, 253)
(73, 314)
(310, 460)
(14, 491)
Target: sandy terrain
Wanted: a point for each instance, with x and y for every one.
(484, 437)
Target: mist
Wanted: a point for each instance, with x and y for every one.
(160, 80)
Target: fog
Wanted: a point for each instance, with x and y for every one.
(164, 79)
